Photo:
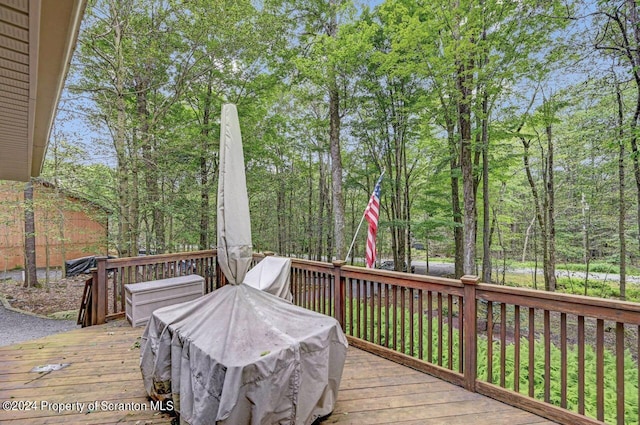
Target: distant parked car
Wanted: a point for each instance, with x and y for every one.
(390, 265)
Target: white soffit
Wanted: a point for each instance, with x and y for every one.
(37, 39)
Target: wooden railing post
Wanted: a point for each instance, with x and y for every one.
(339, 292)
(100, 290)
(92, 306)
(470, 332)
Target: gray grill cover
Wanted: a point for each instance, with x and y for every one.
(242, 356)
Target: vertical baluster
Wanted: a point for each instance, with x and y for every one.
(430, 327)
(516, 355)
(490, 342)
(563, 360)
(386, 315)
(581, 365)
(359, 308)
(420, 324)
(365, 306)
(411, 320)
(600, 369)
(330, 295)
(298, 289)
(547, 357)
(379, 312)
(304, 286)
(461, 345)
(395, 317)
(620, 372)
(323, 294)
(503, 343)
(403, 320)
(532, 349)
(301, 285)
(358, 304)
(312, 293)
(326, 294)
(114, 291)
(120, 277)
(372, 300)
(350, 286)
(317, 287)
(440, 329)
(450, 331)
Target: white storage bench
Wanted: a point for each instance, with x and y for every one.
(144, 297)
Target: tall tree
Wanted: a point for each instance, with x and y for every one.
(622, 213)
(31, 272)
(544, 193)
(619, 36)
(322, 65)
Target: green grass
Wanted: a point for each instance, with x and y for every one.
(594, 267)
(576, 286)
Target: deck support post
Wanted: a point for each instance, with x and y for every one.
(339, 291)
(470, 334)
(99, 290)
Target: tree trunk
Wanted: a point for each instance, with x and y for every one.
(540, 215)
(464, 127)
(550, 212)
(634, 58)
(334, 140)
(622, 208)
(322, 200)
(456, 210)
(120, 144)
(281, 213)
(486, 211)
(31, 272)
(204, 169)
(336, 174)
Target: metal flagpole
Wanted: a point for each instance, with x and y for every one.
(354, 238)
(359, 225)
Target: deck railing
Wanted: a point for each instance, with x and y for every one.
(107, 300)
(569, 358)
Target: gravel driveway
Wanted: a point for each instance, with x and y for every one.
(19, 327)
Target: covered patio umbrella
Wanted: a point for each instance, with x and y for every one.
(240, 355)
(235, 250)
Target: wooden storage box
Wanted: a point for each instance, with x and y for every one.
(143, 298)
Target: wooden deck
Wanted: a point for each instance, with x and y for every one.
(103, 373)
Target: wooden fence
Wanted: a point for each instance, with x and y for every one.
(569, 358)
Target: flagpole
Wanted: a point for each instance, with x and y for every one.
(360, 225)
(354, 238)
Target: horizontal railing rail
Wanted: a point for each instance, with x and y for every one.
(569, 358)
(111, 274)
(567, 353)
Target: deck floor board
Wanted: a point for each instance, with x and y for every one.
(104, 368)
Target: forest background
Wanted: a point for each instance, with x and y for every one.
(507, 130)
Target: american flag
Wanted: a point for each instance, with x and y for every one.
(371, 214)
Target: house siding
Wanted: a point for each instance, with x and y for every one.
(64, 225)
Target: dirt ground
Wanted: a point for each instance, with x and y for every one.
(62, 295)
